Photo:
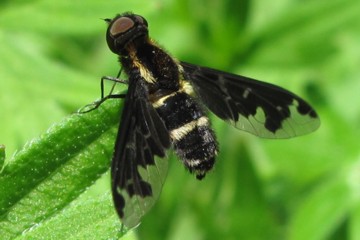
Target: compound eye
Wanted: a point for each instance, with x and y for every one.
(121, 25)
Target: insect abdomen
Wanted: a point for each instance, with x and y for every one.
(193, 139)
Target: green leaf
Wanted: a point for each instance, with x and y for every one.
(2, 156)
(84, 219)
(53, 170)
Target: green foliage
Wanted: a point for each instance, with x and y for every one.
(57, 185)
(2, 156)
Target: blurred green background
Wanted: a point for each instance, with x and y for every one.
(52, 55)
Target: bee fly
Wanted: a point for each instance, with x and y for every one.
(164, 106)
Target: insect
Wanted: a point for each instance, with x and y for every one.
(165, 105)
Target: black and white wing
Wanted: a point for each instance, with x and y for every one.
(257, 107)
(137, 177)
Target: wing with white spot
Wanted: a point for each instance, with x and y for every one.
(257, 107)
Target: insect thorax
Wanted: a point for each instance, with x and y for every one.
(157, 68)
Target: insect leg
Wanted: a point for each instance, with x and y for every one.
(112, 79)
(92, 106)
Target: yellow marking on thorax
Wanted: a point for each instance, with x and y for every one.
(186, 87)
(144, 72)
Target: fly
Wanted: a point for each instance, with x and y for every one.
(166, 104)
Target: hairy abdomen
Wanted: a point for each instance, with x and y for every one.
(193, 139)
